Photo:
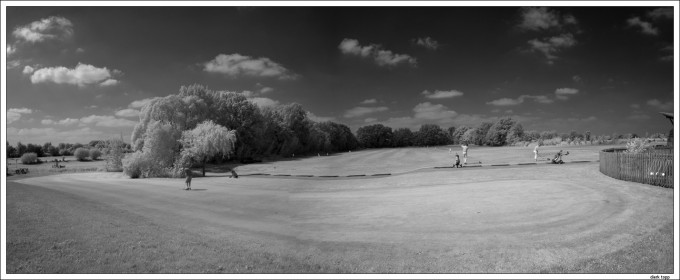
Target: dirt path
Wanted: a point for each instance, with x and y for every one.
(515, 219)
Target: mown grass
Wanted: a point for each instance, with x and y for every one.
(55, 232)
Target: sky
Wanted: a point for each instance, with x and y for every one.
(75, 74)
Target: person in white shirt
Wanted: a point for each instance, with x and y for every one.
(465, 150)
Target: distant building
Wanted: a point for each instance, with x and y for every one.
(670, 133)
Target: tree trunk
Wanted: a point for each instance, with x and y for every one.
(204, 159)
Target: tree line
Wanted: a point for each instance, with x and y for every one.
(198, 125)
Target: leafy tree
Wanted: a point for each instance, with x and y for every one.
(482, 132)
(374, 136)
(114, 160)
(206, 141)
(81, 154)
(431, 135)
(587, 136)
(21, 149)
(515, 134)
(458, 134)
(95, 154)
(11, 151)
(470, 136)
(497, 135)
(402, 137)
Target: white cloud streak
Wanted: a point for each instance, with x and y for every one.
(240, 65)
(646, 27)
(439, 94)
(45, 29)
(360, 111)
(380, 56)
(427, 43)
(81, 75)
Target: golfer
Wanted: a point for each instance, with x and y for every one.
(457, 164)
(536, 151)
(188, 173)
(465, 149)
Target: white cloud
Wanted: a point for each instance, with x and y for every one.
(519, 100)
(11, 64)
(427, 42)
(11, 50)
(128, 113)
(360, 111)
(380, 56)
(646, 27)
(658, 105)
(564, 93)
(550, 46)
(241, 65)
(264, 102)
(543, 18)
(14, 114)
(661, 13)
(44, 29)
(316, 118)
(370, 120)
(138, 104)
(80, 50)
(439, 94)
(67, 121)
(81, 75)
(28, 69)
(109, 82)
(106, 121)
(266, 90)
(429, 111)
(577, 78)
(369, 101)
(506, 101)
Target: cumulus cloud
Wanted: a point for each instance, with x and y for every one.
(263, 102)
(519, 100)
(266, 90)
(369, 101)
(427, 43)
(439, 94)
(109, 82)
(14, 114)
(28, 70)
(45, 29)
(106, 121)
(564, 93)
(661, 13)
(10, 50)
(241, 65)
(429, 111)
(138, 104)
(127, 113)
(317, 118)
(81, 75)
(544, 18)
(67, 121)
(646, 27)
(658, 105)
(360, 111)
(552, 45)
(380, 56)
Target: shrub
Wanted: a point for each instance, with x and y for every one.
(95, 154)
(29, 158)
(139, 165)
(64, 152)
(81, 154)
(114, 162)
(637, 145)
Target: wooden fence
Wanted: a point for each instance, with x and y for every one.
(654, 167)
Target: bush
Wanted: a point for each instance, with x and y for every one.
(81, 154)
(95, 154)
(138, 165)
(637, 145)
(29, 158)
(64, 152)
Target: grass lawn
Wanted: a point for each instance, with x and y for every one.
(524, 219)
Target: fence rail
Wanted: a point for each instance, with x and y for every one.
(654, 167)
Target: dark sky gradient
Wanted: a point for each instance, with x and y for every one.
(623, 75)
